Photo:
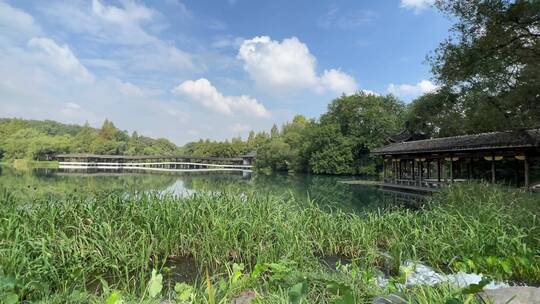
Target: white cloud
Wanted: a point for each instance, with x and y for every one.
(417, 5)
(127, 20)
(369, 92)
(203, 92)
(227, 42)
(72, 105)
(129, 89)
(285, 66)
(129, 32)
(61, 58)
(16, 23)
(72, 110)
(350, 19)
(288, 67)
(93, 69)
(239, 128)
(338, 81)
(412, 90)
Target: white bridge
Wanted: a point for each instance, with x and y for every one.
(154, 163)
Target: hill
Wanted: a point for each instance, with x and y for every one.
(36, 139)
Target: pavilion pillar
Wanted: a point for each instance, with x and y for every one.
(421, 164)
(527, 182)
(413, 166)
(395, 170)
(439, 170)
(428, 169)
(451, 169)
(493, 170)
(469, 169)
(384, 168)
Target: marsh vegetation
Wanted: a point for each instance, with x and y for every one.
(213, 247)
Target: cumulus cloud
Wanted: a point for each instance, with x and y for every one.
(288, 67)
(203, 92)
(60, 57)
(338, 81)
(417, 5)
(412, 90)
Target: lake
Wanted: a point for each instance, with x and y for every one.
(324, 190)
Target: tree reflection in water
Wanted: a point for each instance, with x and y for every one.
(324, 190)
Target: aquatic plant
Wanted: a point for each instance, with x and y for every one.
(85, 246)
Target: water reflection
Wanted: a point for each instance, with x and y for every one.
(327, 191)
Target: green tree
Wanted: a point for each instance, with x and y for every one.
(84, 139)
(274, 155)
(492, 62)
(438, 114)
(274, 132)
(331, 152)
(364, 121)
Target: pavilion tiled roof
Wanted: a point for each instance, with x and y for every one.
(477, 142)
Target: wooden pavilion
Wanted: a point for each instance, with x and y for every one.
(427, 164)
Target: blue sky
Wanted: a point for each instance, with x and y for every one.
(189, 69)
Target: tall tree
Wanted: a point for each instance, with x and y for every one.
(492, 62)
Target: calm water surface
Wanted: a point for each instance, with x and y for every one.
(324, 190)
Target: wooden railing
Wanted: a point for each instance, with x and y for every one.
(424, 183)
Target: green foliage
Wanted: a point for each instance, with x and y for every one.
(114, 298)
(331, 152)
(338, 143)
(489, 69)
(38, 140)
(184, 292)
(62, 245)
(155, 284)
(8, 293)
(275, 155)
(298, 292)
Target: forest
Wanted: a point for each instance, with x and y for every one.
(37, 140)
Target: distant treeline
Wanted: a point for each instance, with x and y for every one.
(337, 143)
(37, 140)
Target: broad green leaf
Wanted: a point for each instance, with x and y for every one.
(346, 298)
(114, 298)
(453, 301)
(297, 292)
(10, 298)
(237, 272)
(155, 284)
(476, 288)
(184, 292)
(258, 270)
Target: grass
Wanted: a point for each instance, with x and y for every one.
(81, 248)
